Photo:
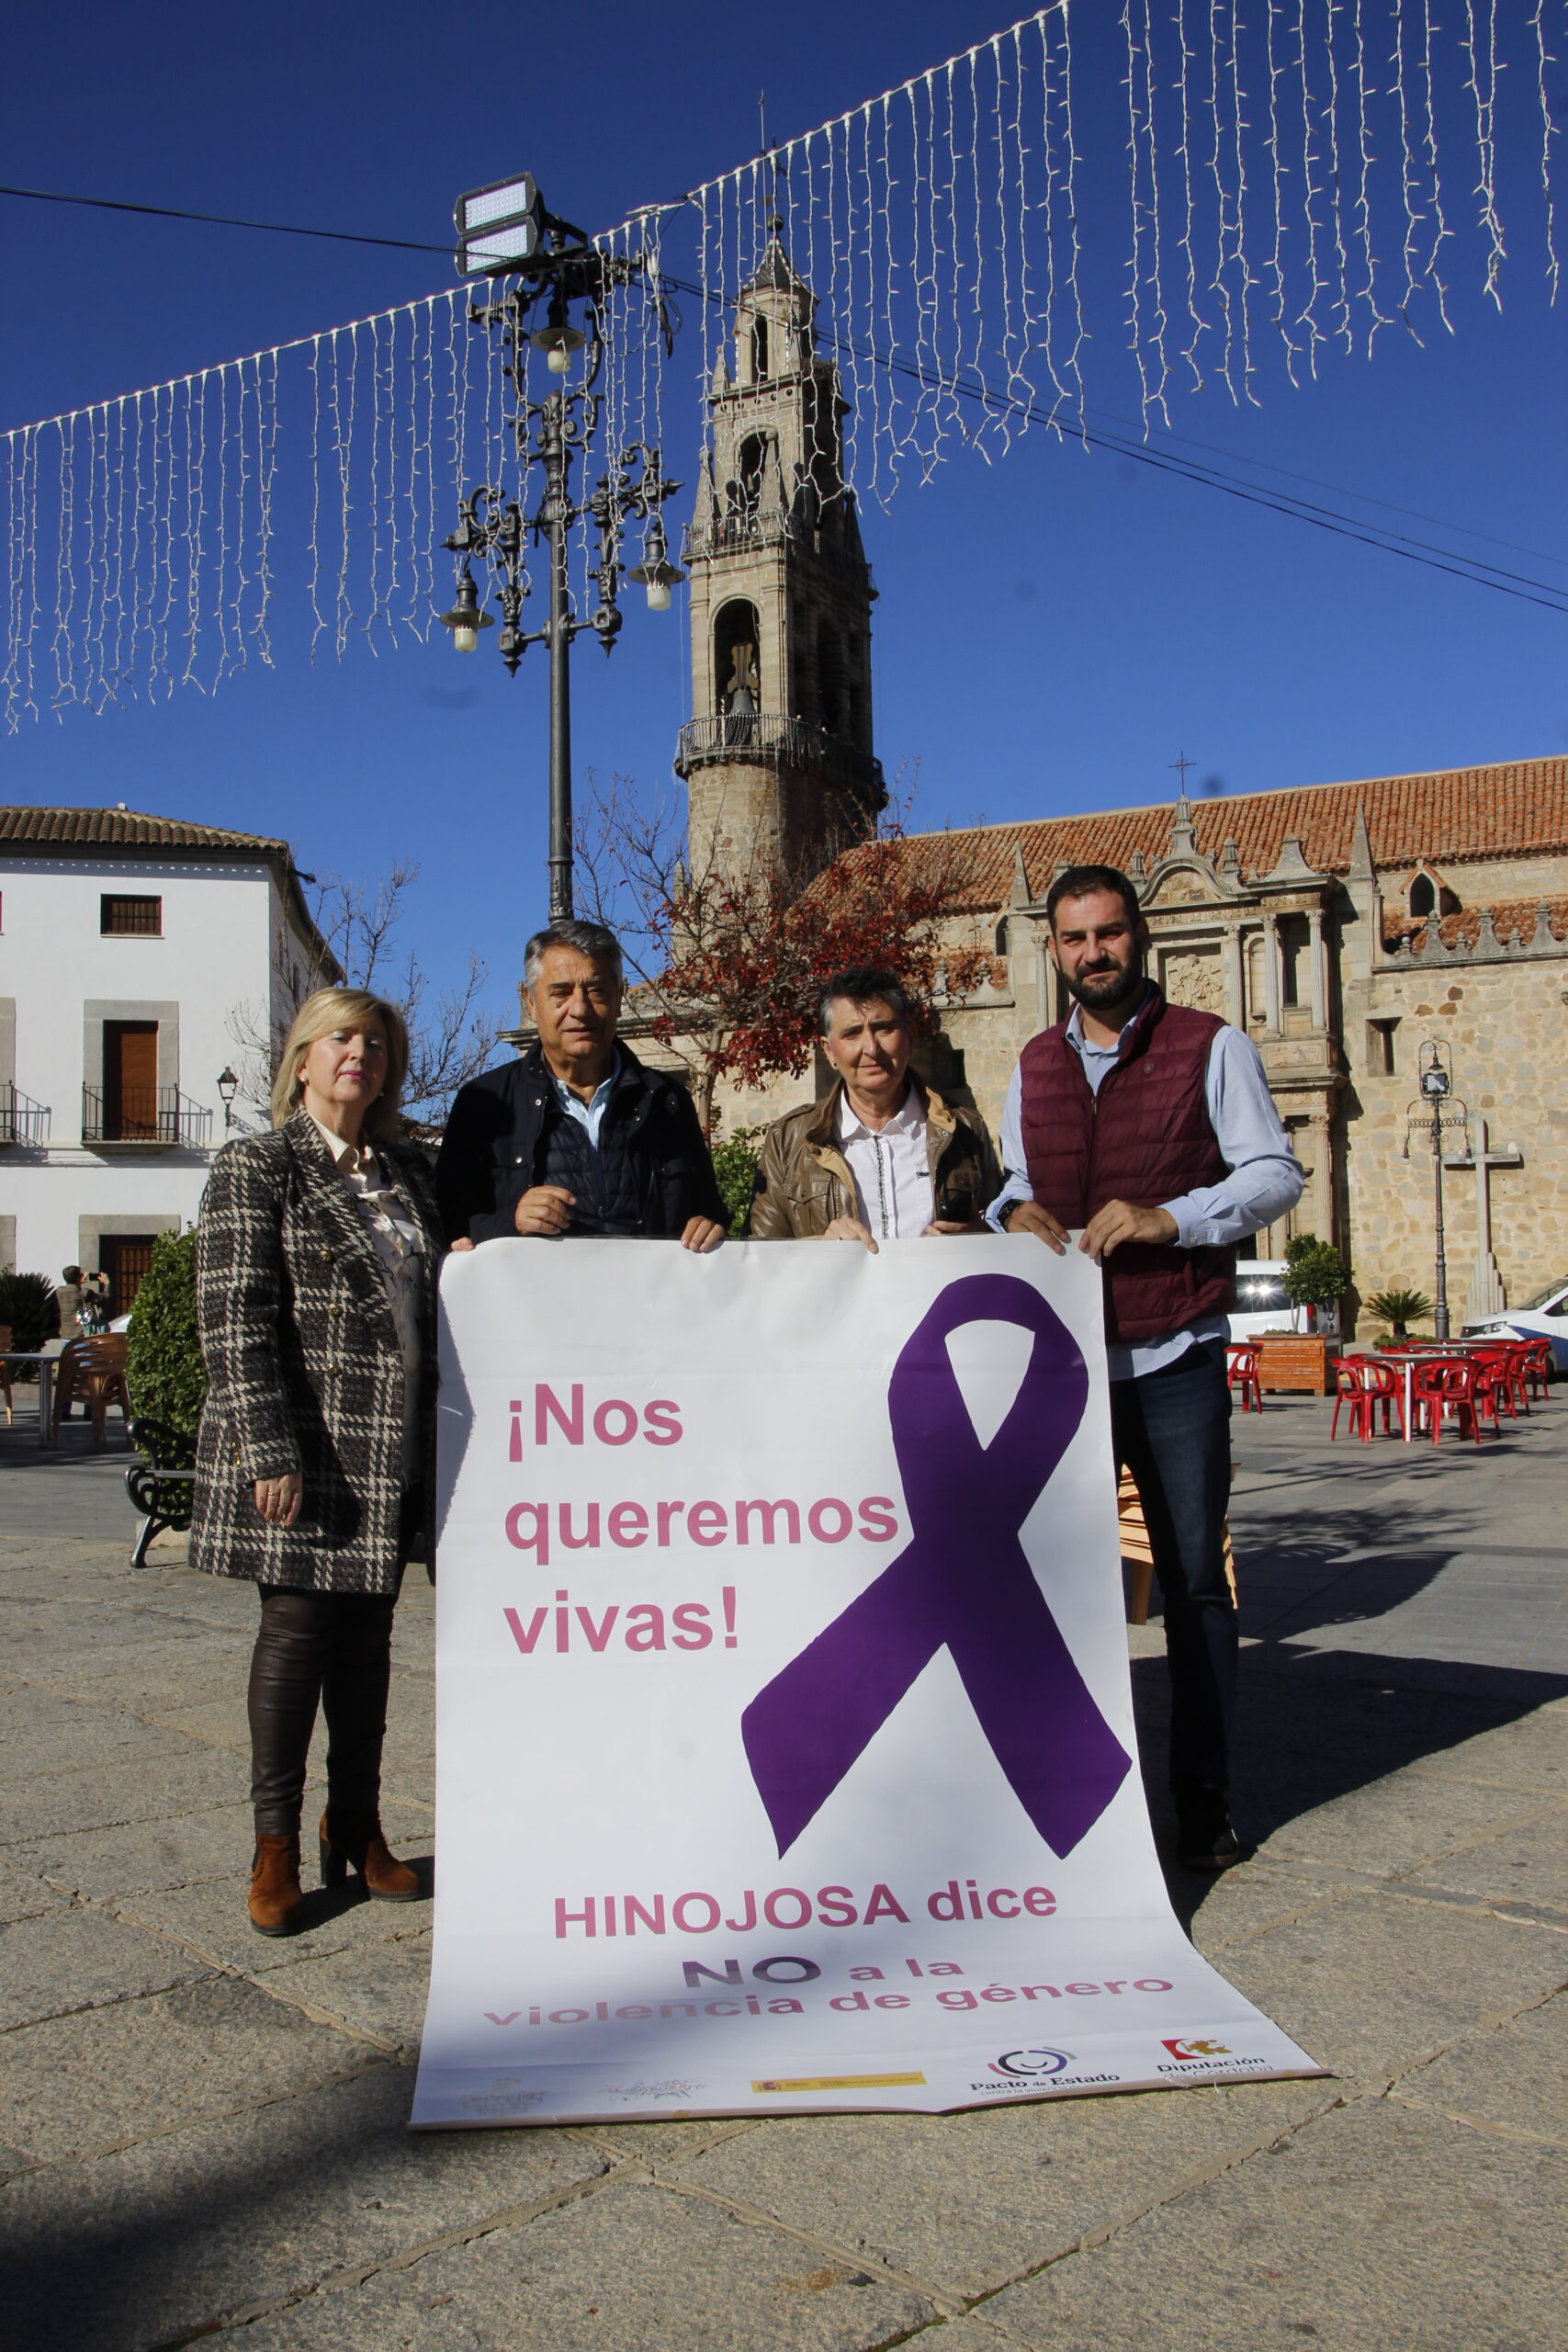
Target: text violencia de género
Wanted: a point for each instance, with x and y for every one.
(787, 2005)
(544, 1528)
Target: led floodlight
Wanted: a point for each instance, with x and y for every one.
(499, 227)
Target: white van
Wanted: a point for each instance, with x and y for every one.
(1260, 1301)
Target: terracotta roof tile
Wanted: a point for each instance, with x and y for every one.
(1511, 919)
(1516, 807)
(27, 826)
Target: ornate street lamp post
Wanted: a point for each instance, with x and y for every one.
(548, 261)
(1435, 1068)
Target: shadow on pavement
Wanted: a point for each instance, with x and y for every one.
(1315, 1725)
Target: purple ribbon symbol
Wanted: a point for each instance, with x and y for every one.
(962, 1580)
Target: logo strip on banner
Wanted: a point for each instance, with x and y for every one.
(841, 2083)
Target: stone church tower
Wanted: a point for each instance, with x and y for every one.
(777, 755)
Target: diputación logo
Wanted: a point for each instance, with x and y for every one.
(1031, 2062)
(1180, 2049)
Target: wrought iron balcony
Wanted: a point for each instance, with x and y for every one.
(156, 1118)
(741, 532)
(21, 1119)
(768, 737)
(736, 533)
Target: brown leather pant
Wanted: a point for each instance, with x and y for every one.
(326, 1649)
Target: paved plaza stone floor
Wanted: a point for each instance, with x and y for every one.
(204, 2134)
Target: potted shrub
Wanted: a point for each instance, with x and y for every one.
(1315, 1278)
(164, 1370)
(735, 1165)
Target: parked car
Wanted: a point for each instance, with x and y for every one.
(1260, 1301)
(1544, 1317)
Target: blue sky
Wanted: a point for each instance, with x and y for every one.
(1052, 629)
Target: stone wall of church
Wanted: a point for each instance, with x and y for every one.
(1504, 1026)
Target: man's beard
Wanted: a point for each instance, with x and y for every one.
(1105, 991)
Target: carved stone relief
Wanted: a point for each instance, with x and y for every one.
(1184, 887)
(1194, 976)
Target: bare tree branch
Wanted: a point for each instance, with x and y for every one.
(729, 964)
(449, 1042)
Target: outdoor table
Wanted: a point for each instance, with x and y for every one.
(46, 1364)
(1408, 1358)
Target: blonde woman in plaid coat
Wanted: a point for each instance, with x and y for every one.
(317, 1253)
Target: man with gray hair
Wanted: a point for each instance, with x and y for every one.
(577, 1138)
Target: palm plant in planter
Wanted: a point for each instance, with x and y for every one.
(29, 1310)
(1399, 1309)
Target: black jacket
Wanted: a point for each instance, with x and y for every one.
(494, 1150)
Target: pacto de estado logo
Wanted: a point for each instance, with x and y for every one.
(1031, 2062)
(1180, 2049)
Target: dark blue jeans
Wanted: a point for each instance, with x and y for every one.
(1171, 1430)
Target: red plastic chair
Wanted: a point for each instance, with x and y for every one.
(1241, 1374)
(1348, 1390)
(1381, 1385)
(1496, 1383)
(1519, 1371)
(1535, 1364)
(1445, 1384)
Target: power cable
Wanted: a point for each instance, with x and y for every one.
(222, 219)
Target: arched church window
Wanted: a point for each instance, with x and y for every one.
(737, 677)
(753, 459)
(1257, 979)
(1422, 895)
(760, 348)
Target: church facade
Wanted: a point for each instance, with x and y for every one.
(1350, 928)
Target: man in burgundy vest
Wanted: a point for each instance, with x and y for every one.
(1148, 1128)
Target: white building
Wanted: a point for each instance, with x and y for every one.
(138, 954)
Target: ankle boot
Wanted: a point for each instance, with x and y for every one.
(275, 1900)
(354, 1840)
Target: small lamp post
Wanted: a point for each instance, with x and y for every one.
(1435, 1067)
(228, 1086)
(505, 233)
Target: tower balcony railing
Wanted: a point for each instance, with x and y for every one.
(21, 1119)
(768, 736)
(737, 533)
(742, 532)
(157, 1118)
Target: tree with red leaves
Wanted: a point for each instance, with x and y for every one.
(732, 966)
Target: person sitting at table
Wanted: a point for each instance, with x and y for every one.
(68, 1302)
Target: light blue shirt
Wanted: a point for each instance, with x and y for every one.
(589, 1115)
(1264, 1177)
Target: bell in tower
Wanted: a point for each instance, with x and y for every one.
(777, 756)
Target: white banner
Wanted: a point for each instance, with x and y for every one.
(786, 1755)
